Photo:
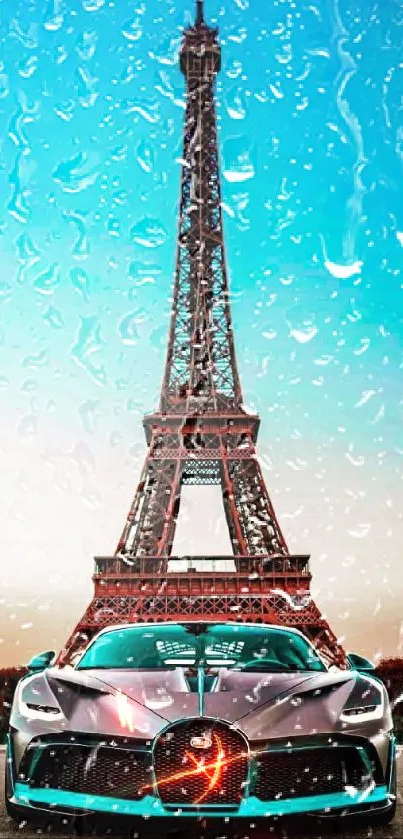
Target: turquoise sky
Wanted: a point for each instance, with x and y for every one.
(311, 135)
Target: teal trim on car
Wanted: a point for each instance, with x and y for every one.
(392, 760)
(150, 806)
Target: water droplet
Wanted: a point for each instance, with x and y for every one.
(149, 233)
(238, 166)
(142, 274)
(89, 414)
(87, 44)
(357, 460)
(365, 344)
(54, 22)
(4, 86)
(88, 343)
(76, 173)
(19, 178)
(36, 360)
(343, 272)
(360, 531)
(304, 335)
(158, 337)
(28, 427)
(81, 282)
(132, 29)
(5, 291)
(168, 49)
(128, 326)
(46, 282)
(93, 5)
(277, 93)
(28, 66)
(80, 248)
(54, 318)
(145, 156)
(236, 105)
(87, 87)
(146, 108)
(26, 249)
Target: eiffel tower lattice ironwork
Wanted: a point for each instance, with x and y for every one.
(201, 434)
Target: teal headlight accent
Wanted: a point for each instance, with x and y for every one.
(152, 807)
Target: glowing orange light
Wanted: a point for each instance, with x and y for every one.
(212, 771)
(125, 712)
(216, 771)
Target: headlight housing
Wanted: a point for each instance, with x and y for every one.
(365, 703)
(32, 705)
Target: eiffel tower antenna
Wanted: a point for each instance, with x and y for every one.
(199, 13)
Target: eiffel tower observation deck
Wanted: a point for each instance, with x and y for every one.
(201, 432)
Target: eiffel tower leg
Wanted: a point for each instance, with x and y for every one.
(171, 513)
(258, 522)
(151, 522)
(239, 543)
(322, 637)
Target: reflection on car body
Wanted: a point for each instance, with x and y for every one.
(201, 719)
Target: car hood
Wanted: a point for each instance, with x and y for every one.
(234, 695)
(143, 703)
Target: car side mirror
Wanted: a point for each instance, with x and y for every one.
(41, 661)
(358, 662)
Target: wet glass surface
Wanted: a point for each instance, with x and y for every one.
(309, 106)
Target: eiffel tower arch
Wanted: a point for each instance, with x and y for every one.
(201, 433)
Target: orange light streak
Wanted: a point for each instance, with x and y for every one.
(125, 712)
(214, 778)
(212, 771)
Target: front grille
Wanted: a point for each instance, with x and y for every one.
(307, 772)
(95, 770)
(201, 762)
(187, 775)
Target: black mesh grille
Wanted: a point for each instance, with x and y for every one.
(96, 770)
(215, 774)
(125, 771)
(307, 772)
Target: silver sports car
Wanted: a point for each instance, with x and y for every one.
(200, 720)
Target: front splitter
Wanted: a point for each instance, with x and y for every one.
(63, 801)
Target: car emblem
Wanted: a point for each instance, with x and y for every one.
(203, 741)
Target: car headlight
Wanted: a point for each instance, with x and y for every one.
(366, 703)
(33, 710)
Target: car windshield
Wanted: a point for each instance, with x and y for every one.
(194, 645)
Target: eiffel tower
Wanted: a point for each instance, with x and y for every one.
(201, 433)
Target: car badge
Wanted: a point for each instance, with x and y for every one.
(203, 741)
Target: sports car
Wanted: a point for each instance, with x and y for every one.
(200, 719)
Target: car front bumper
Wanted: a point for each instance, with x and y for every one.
(62, 801)
(27, 798)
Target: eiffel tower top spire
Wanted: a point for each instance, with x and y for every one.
(201, 373)
(199, 13)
